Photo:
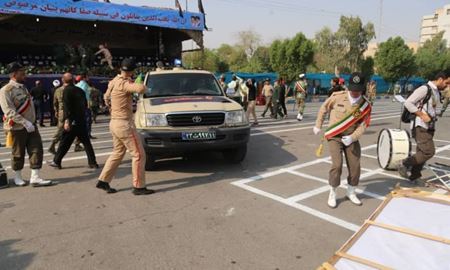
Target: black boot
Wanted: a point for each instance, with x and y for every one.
(142, 191)
(105, 186)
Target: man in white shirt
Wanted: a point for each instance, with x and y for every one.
(423, 126)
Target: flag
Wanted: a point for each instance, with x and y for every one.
(139, 79)
(200, 7)
(202, 11)
(180, 10)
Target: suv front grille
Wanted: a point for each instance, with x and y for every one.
(195, 119)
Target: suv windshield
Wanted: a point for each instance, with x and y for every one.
(182, 84)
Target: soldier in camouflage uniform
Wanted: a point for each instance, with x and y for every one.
(95, 101)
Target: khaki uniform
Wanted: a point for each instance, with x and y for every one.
(339, 106)
(119, 98)
(268, 93)
(13, 96)
(300, 95)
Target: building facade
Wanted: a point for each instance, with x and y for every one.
(435, 23)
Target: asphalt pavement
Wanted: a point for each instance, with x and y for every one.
(269, 212)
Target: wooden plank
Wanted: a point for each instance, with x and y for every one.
(363, 261)
(410, 232)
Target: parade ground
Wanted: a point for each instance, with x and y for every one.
(270, 212)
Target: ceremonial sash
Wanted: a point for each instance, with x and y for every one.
(299, 85)
(356, 115)
(22, 108)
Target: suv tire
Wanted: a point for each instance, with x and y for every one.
(150, 163)
(235, 155)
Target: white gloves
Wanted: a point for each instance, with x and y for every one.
(347, 140)
(29, 126)
(316, 130)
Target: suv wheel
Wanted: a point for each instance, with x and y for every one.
(235, 155)
(150, 163)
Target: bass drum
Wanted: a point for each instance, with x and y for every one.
(393, 145)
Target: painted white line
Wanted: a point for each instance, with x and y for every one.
(308, 210)
(93, 143)
(442, 157)
(343, 185)
(70, 159)
(309, 127)
(369, 156)
(309, 194)
(293, 123)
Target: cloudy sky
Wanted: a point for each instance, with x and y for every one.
(274, 19)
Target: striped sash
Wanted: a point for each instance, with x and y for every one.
(352, 118)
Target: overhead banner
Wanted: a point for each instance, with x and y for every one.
(96, 11)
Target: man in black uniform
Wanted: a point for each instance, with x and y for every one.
(335, 87)
(39, 97)
(75, 104)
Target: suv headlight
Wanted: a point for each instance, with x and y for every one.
(235, 118)
(156, 120)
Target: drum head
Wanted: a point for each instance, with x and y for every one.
(384, 149)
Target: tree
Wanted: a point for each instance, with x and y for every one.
(233, 56)
(355, 37)
(367, 67)
(433, 57)
(260, 61)
(343, 49)
(328, 50)
(291, 57)
(248, 41)
(206, 60)
(395, 60)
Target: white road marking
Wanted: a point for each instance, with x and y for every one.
(306, 209)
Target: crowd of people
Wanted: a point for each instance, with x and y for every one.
(75, 108)
(274, 95)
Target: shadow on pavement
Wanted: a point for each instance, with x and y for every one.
(259, 159)
(11, 259)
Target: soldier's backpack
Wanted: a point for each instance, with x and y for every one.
(3, 177)
(407, 117)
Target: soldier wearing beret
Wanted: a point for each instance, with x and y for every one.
(349, 117)
(20, 118)
(118, 98)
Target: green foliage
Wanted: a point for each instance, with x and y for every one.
(367, 67)
(206, 60)
(343, 49)
(291, 57)
(394, 60)
(433, 57)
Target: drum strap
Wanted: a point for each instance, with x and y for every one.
(361, 112)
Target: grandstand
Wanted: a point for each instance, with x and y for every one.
(53, 36)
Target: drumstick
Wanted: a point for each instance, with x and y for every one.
(319, 151)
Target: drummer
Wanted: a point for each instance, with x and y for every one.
(423, 102)
(349, 117)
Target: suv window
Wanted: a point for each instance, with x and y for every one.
(182, 84)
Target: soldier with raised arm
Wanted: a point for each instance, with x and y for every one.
(119, 98)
